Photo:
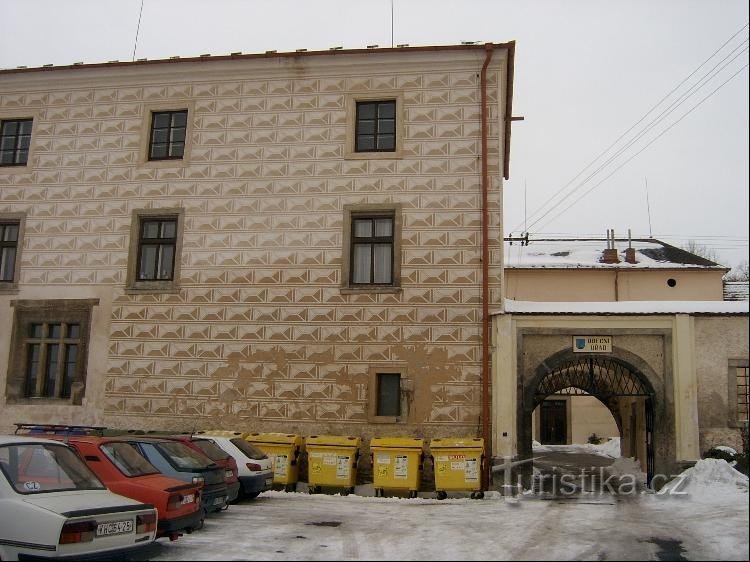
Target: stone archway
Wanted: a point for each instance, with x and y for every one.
(611, 379)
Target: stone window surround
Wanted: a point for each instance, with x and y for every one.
(35, 116)
(732, 385)
(46, 310)
(168, 105)
(20, 218)
(406, 390)
(351, 124)
(133, 286)
(367, 209)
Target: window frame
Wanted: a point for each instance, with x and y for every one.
(48, 312)
(170, 129)
(733, 387)
(378, 122)
(354, 212)
(144, 161)
(140, 216)
(18, 219)
(352, 101)
(405, 389)
(3, 122)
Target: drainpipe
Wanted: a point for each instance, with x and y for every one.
(488, 51)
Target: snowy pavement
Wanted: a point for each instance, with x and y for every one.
(706, 518)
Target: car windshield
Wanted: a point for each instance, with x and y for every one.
(127, 459)
(34, 468)
(212, 450)
(250, 450)
(182, 456)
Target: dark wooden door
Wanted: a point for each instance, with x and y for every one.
(554, 422)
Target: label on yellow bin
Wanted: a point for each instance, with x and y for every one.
(342, 468)
(279, 465)
(472, 470)
(401, 467)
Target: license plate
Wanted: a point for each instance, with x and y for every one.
(114, 528)
(190, 498)
(219, 501)
(269, 481)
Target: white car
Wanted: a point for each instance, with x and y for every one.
(254, 468)
(53, 506)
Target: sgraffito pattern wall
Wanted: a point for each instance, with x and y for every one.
(260, 332)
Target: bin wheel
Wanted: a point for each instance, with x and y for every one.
(477, 495)
(441, 495)
(413, 493)
(312, 490)
(378, 492)
(290, 488)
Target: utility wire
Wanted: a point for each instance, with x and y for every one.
(539, 209)
(694, 89)
(645, 147)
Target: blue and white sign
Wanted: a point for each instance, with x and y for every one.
(592, 344)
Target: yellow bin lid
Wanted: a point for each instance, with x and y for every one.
(221, 433)
(333, 441)
(400, 442)
(274, 438)
(457, 443)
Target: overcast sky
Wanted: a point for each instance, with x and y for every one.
(586, 72)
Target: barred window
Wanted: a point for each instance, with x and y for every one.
(742, 394)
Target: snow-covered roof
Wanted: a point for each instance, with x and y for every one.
(626, 307)
(584, 253)
(736, 290)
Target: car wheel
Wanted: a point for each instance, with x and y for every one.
(252, 495)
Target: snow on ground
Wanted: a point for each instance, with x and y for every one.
(707, 522)
(609, 449)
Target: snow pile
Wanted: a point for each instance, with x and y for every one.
(709, 477)
(726, 449)
(609, 449)
(627, 469)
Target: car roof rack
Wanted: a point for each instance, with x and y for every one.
(59, 429)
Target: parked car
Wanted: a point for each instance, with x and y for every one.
(177, 460)
(52, 505)
(124, 471)
(216, 454)
(254, 466)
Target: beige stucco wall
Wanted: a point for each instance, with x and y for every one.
(615, 284)
(719, 343)
(260, 334)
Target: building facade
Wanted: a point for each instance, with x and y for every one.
(280, 242)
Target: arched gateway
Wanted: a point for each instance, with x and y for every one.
(617, 383)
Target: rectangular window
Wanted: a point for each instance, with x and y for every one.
(168, 131)
(375, 129)
(15, 138)
(8, 251)
(389, 394)
(49, 349)
(372, 250)
(157, 242)
(742, 394)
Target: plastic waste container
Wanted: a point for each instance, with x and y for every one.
(284, 450)
(332, 461)
(396, 464)
(458, 465)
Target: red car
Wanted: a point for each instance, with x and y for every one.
(124, 471)
(218, 456)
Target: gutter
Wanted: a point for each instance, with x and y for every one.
(486, 428)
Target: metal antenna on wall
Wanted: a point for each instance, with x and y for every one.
(135, 45)
(648, 209)
(391, 24)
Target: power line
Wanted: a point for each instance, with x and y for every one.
(549, 200)
(645, 147)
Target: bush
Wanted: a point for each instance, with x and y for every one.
(716, 453)
(594, 439)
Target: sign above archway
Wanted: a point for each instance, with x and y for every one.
(592, 344)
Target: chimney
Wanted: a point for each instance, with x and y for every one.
(610, 252)
(630, 251)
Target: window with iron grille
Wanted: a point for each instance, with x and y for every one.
(8, 251)
(388, 394)
(168, 131)
(372, 250)
(15, 138)
(157, 242)
(48, 350)
(375, 126)
(742, 394)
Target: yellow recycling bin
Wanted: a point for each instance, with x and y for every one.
(396, 464)
(284, 450)
(458, 465)
(332, 461)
